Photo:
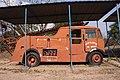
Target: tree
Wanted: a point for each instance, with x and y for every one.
(114, 30)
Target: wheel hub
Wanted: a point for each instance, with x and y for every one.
(32, 60)
(96, 58)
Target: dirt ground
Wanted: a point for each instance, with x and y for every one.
(59, 71)
(81, 71)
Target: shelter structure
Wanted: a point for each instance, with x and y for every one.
(57, 12)
(114, 17)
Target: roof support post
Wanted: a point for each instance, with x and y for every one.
(106, 29)
(25, 44)
(118, 16)
(2, 32)
(97, 24)
(1, 29)
(70, 24)
(107, 44)
(14, 31)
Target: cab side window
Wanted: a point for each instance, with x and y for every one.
(76, 33)
(76, 36)
(90, 33)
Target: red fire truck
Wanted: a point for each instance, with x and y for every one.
(87, 46)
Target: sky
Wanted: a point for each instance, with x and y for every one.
(101, 24)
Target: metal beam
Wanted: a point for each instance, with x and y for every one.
(97, 24)
(70, 24)
(110, 13)
(25, 44)
(118, 16)
(106, 28)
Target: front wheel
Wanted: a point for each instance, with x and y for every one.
(32, 59)
(95, 58)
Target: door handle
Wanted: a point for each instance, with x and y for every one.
(67, 35)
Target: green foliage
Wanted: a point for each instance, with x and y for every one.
(114, 30)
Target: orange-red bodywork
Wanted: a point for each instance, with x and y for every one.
(61, 42)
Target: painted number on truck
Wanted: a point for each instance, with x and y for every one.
(49, 52)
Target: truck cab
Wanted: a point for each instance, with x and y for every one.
(87, 46)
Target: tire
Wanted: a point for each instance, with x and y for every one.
(32, 59)
(95, 58)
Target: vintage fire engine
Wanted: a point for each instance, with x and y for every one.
(87, 46)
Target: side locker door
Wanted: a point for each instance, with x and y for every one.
(90, 39)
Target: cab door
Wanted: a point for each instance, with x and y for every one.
(100, 40)
(77, 45)
(90, 39)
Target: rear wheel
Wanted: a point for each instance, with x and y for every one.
(95, 58)
(32, 59)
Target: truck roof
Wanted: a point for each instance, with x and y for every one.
(66, 27)
(81, 27)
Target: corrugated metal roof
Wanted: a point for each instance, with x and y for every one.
(112, 18)
(57, 12)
